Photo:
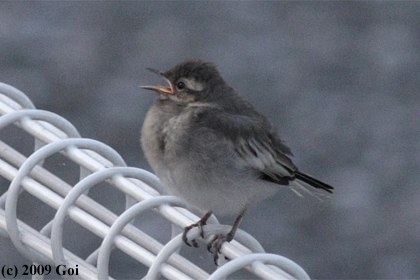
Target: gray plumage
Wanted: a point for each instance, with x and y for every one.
(211, 147)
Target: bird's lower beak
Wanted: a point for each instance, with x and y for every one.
(160, 89)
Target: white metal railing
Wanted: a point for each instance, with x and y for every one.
(100, 163)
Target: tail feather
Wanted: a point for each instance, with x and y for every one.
(301, 183)
(304, 183)
(313, 182)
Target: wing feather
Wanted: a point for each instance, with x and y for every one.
(254, 155)
(254, 141)
(258, 147)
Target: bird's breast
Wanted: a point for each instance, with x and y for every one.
(175, 133)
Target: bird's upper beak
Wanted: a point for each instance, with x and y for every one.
(158, 88)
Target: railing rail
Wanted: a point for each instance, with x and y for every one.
(100, 163)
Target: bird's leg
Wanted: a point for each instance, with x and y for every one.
(202, 222)
(216, 243)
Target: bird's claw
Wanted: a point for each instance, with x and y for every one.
(199, 224)
(217, 241)
(215, 245)
(202, 222)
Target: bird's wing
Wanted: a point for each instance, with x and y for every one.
(260, 153)
(254, 141)
(259, 149)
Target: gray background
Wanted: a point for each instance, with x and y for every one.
(340, 80)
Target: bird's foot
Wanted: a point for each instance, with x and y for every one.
(216, 243)
(202, 222)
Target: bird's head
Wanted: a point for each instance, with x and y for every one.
(189, 81)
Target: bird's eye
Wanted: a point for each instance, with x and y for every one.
(180, 85)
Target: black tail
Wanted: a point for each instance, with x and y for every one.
(313, 182)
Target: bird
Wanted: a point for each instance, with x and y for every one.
(211, 147)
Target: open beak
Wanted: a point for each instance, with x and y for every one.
(160, 89)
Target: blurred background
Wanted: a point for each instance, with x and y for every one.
(340, 81)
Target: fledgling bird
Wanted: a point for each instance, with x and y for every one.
(212, 148)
